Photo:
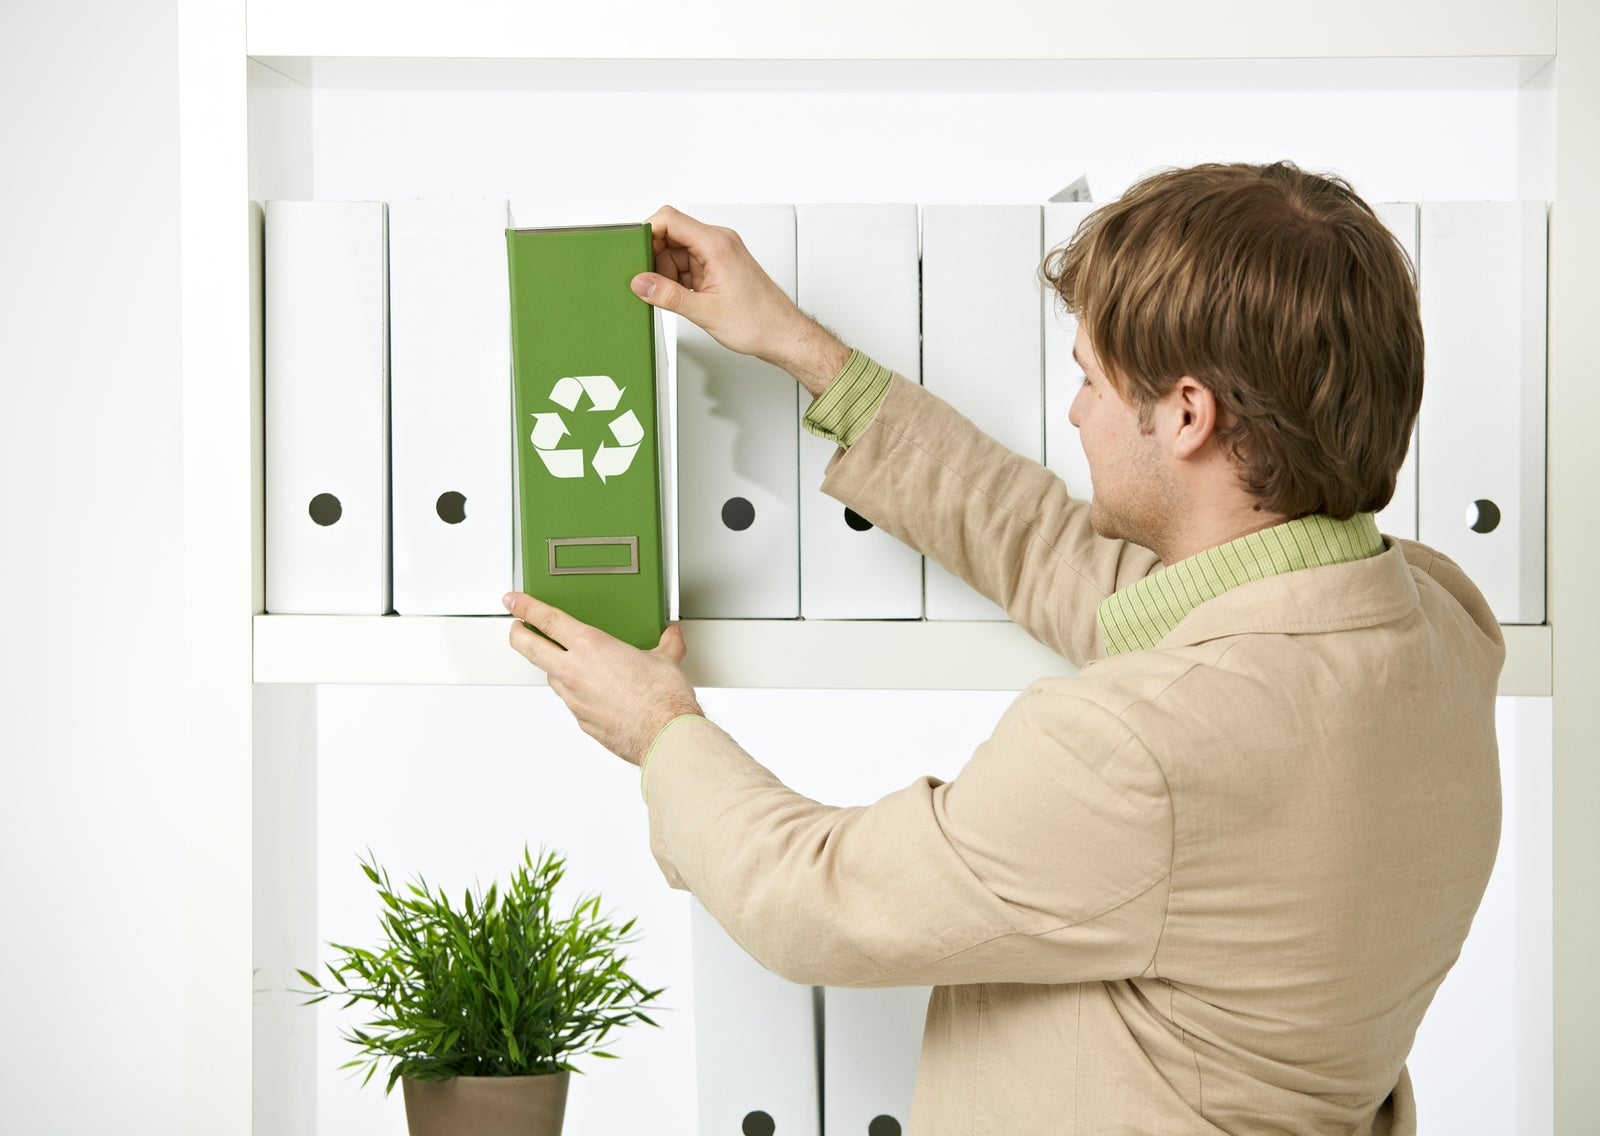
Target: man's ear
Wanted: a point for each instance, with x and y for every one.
(1195, 415)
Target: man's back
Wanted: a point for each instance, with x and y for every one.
(1325, 743)
(1354, 771)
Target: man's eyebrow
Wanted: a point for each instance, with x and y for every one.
(1078, 359)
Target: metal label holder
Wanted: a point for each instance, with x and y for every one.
(629, 569)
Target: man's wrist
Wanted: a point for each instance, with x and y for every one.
(661, 717)
(813, 355)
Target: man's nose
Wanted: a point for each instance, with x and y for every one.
(1072, 411)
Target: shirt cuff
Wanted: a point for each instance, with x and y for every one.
(842, 412)
(644, 766)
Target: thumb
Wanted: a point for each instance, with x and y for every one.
(672, 646)
(668, 295)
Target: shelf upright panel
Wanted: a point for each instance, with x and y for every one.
(284, 730)
(220, 567)
(1574, 548)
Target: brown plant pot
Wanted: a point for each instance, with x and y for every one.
(487, 1106)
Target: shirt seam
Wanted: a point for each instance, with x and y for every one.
(1172, 871)
(1349, 623)
(1010, 932)
(1170, 875)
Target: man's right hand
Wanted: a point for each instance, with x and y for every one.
(706, 275)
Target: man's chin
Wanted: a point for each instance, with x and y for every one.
(1103, 524)
(1110, 527)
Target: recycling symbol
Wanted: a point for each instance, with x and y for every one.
(549, 428)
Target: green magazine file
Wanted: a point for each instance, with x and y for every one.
(589, 510)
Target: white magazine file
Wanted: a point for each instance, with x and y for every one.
(756, 1037)
(872, 1042)
(1481, 452)
(738, 452)
(326, 408)
(857, 274)
(981, 345)
(450, 406)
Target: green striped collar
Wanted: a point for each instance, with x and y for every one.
(1140, 616)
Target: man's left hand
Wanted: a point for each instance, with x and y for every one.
(621, 696)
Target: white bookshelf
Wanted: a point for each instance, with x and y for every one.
(252, 678)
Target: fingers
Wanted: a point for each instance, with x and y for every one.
(551, 621)
(555, 629)
(685, 248)
(669, 227)
(679, 264)
(619, 696)
(534, 647)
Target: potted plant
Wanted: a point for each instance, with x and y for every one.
(480, 1009)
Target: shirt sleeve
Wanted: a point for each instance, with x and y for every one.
(843, 410)
(1046, 860)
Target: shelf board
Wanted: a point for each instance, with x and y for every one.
(933, 29)
(750, 654)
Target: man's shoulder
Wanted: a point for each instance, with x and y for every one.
(1448, 599)
(1448, 575)
(1408, 587)
(1285, 636)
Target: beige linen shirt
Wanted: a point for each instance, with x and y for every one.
(1207, 887)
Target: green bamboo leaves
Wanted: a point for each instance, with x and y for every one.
(496, 987)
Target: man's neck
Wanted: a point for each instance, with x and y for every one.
(1201, 531)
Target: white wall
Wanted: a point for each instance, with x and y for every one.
(560, 153)
(90, 790)
(1481, 1064)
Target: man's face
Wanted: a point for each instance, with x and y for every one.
(1132, 489)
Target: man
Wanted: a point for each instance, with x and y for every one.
(1211, 882)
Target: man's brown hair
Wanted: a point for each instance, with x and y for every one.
(1283, 293)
